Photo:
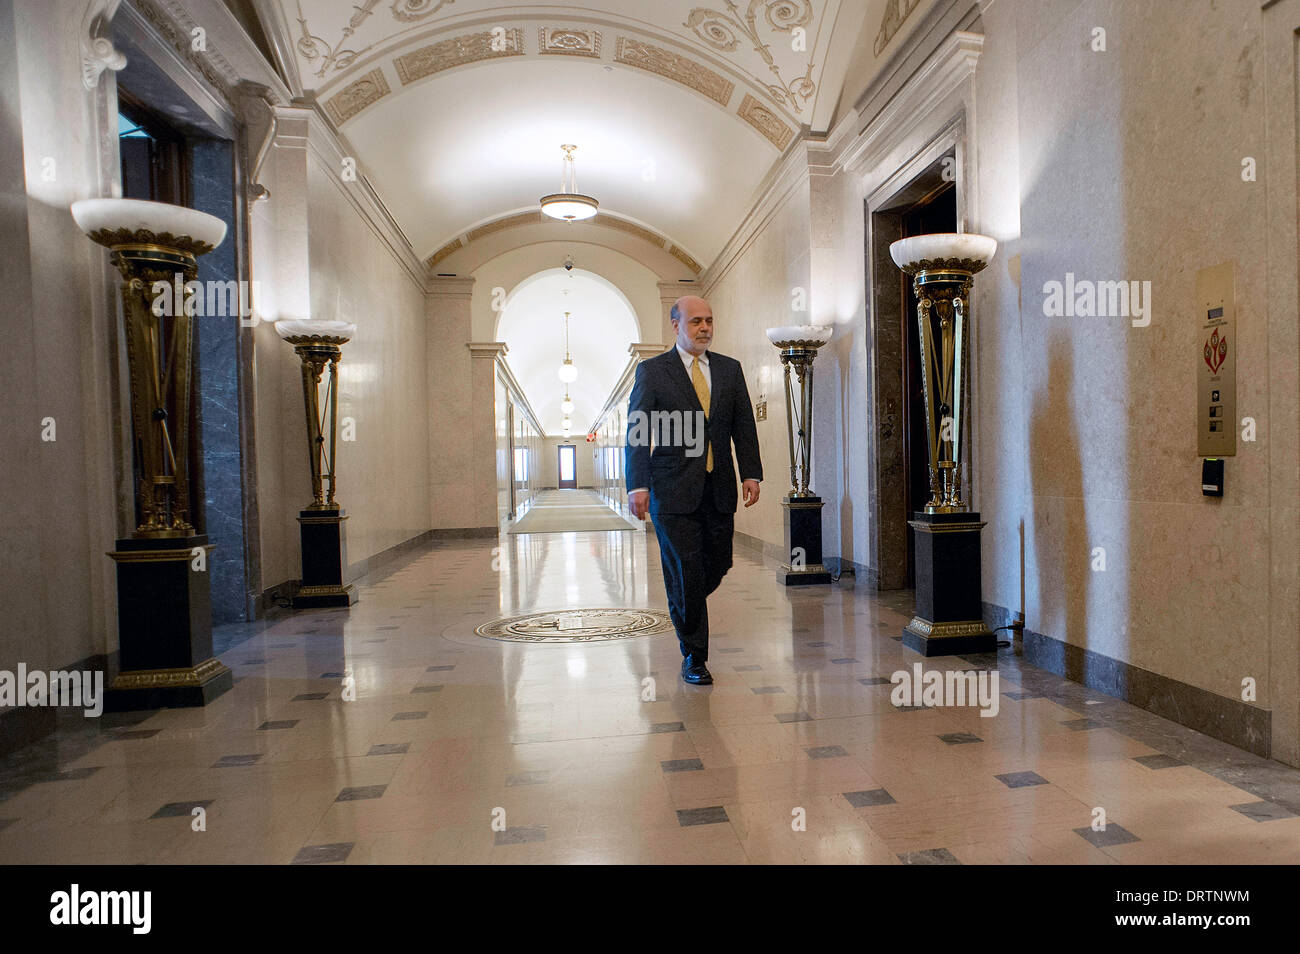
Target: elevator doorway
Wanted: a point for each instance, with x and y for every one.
(927, 202)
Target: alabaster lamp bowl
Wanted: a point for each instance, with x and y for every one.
(116, 222)
(960, 250)
(800, 336)
(302, 330)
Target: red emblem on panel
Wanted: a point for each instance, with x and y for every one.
(1216, 351)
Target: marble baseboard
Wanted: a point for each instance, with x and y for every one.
(1220, 717)
(21, 726)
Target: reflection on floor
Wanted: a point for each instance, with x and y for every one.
(462, 749)
(557, 511)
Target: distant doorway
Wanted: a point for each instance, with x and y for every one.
(568, 465)
(926, 203)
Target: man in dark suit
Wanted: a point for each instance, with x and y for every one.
(695, 405)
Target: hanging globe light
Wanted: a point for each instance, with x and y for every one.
(568, 372)
(566, 406)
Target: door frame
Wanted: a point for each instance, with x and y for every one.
(559, 467)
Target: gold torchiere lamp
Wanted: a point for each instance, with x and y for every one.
(163, 593)
(319, 346)
(949, 612)
(798, 345)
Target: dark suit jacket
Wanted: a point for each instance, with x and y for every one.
(675, 479)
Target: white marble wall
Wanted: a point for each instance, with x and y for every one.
(320, 254)
(60, 510)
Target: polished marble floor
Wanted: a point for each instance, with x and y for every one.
(461, 749)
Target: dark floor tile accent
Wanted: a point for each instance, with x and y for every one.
(842, 661)
(909, 708)
(1262, 811)
(667, 727)
(1081, 725)
(1113, 835)
(278, 724)
(361, 793)
(323, 854)
(403, 716)
(427, 689)
(331, 675)
(310, 697)
(440, 669)
(136, 733)
(1020, 696)
(931, 856)
(713, 815)
(866, 799)
(731, 649)
(750, 668)
(1021, 779)
(793, 717)
(177, 809)
(819, 644)
(875, 681)
(682, 765)
(521, 834)
(383, 628)
(235, 761)
(1160, 761)
(826, 752)
(389, 748)
(537, 777)
(897, 639)
(766, 690)
(6, 822)
(959, 738)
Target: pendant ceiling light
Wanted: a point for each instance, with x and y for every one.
(568, 371)
(566, 406)
(568, 204)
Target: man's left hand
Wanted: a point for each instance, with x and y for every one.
(749, 489)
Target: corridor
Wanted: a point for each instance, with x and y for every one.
(449, 731)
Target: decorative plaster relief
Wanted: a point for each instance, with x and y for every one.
(718, 29)
(765, 121)
(670, 65)
(896, 11)
(457, 51)
(522, 218)
(354, 97)
(569, 41)
(685, 259)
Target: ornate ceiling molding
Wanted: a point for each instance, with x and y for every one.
(765, 121)
(458, 51)
(569, 41)
(673, 66)
(720, 30)
(896, 11)
(355, 97)
(534, 217)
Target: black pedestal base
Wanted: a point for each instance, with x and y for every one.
(949, 614)
(164, 623)
(324, 557)
(803, 542)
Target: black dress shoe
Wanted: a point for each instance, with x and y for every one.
(695, 672)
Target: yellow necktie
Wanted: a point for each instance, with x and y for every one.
(702, 392)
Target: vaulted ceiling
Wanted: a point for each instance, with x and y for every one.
(679, 108)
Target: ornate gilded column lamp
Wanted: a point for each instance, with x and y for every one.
(949, 615)
(163, 593)
(319, 345)
(803, 509)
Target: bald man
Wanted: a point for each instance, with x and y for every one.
(693, 404)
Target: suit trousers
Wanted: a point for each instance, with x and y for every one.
(695, 549)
